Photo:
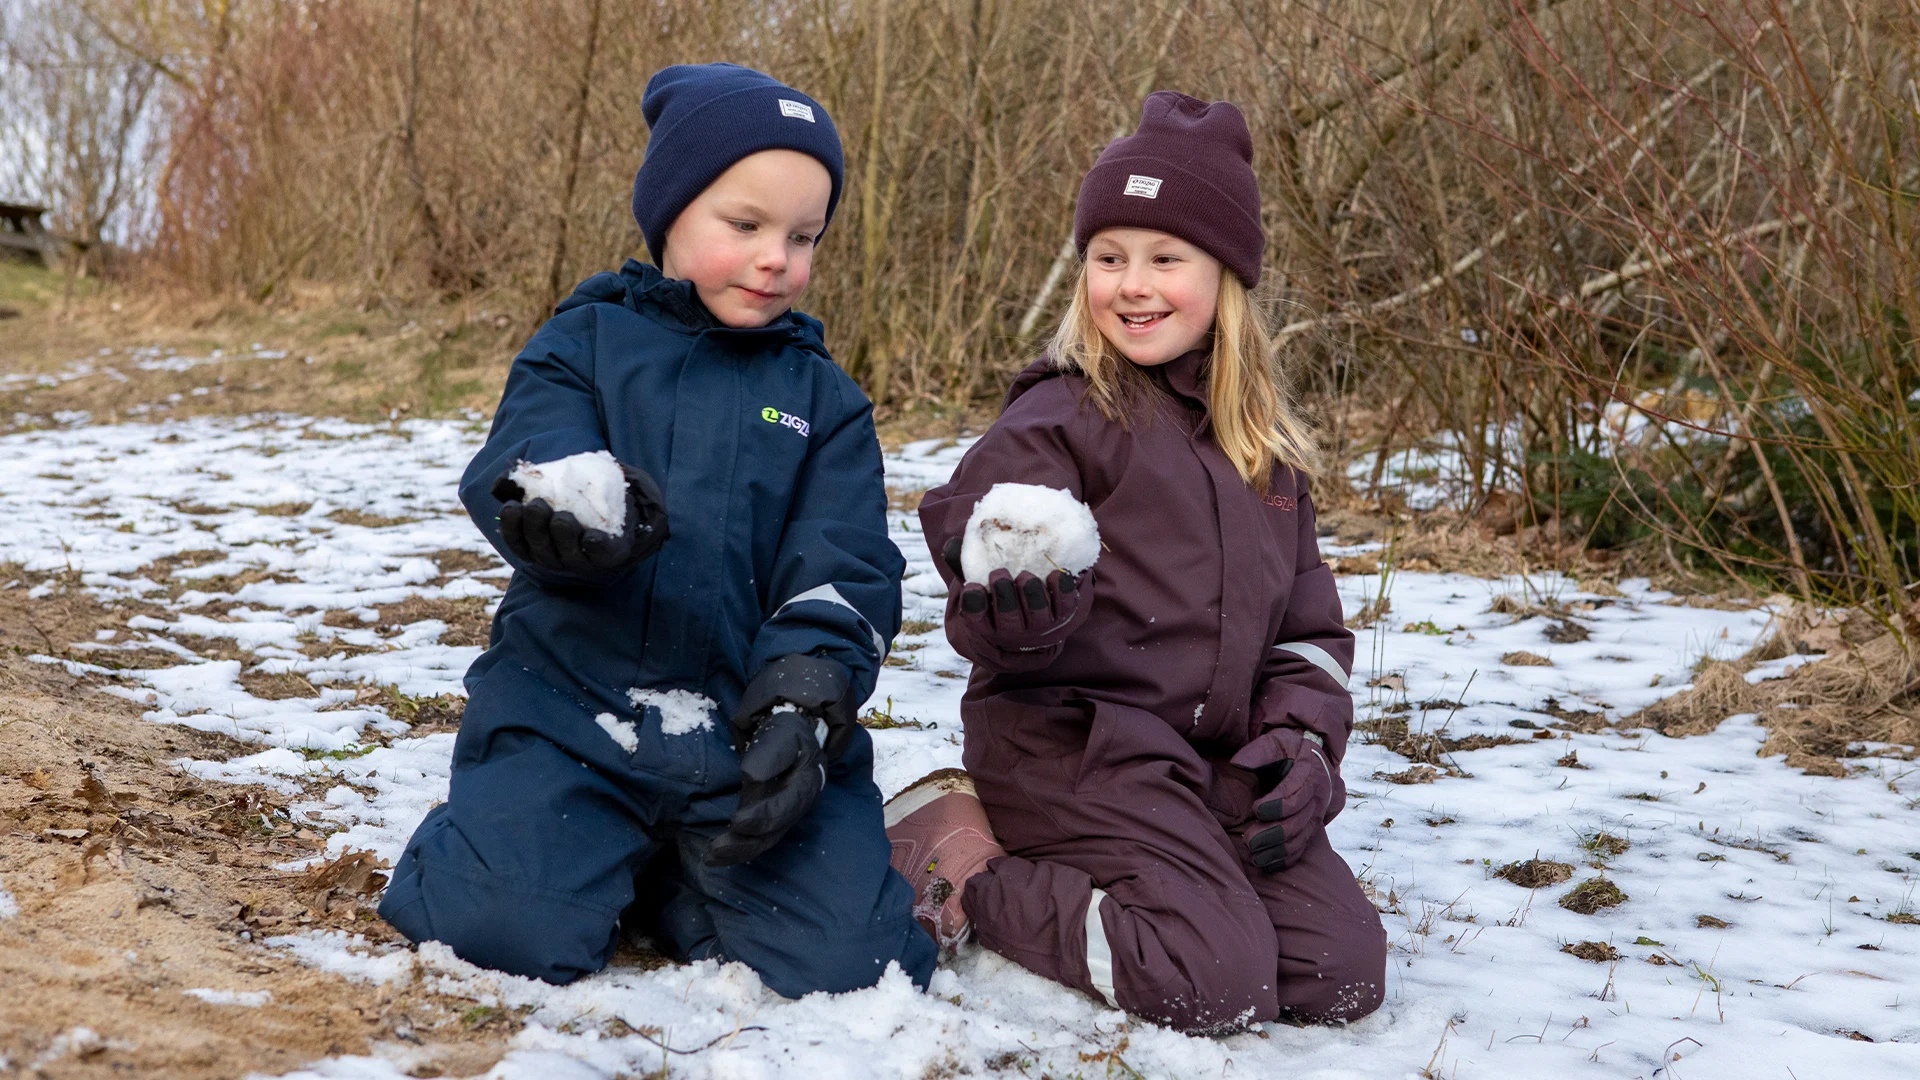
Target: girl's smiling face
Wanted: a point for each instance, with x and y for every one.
(1151, 293)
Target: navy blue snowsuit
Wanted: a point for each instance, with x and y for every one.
(572, 807)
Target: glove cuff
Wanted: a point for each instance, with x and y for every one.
(816, 686)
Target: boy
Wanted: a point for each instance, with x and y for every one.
(592, 788)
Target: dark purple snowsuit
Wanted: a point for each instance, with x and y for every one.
(1102, 761)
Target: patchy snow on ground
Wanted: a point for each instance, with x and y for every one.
(246, 999)
(1768, 926)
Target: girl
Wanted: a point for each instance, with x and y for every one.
(1153, 747)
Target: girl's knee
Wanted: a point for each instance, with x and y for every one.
(1351, 984)
(1222, 995)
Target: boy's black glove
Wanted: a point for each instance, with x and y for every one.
(782, 772)
(794, 718)
(555, 540)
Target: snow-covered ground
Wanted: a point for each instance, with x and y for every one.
(1803, 870)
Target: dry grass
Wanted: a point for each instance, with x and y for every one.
(1426, 747)
(1593, 895)
(1550, 235)
(1720, 689)
(1535, 873)
(1867, 693)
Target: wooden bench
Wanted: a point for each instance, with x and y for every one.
(22, 235)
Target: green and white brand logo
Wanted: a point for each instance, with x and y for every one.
(774, 416)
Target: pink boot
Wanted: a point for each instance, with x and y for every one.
(940, 839)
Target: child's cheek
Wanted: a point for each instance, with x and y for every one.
(800, 271)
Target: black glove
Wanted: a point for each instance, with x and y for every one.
(1009, 614)
(1296, 783)
(782, 773)
(534, 531)
(813, 685)
(796, 704)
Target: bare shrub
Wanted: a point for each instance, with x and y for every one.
(1638, 273)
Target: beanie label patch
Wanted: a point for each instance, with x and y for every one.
(799, 110)
(1146, 187)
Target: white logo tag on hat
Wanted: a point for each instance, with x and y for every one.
(1147, 187)
(799, 110)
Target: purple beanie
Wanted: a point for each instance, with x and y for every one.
(1188, 171)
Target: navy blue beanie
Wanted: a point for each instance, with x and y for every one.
(705, 117)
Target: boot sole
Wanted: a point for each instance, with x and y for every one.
(925, 790)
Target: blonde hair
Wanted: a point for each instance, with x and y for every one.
(1254, 420)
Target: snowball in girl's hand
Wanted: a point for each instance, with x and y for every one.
(589, 486)
(1028, 527)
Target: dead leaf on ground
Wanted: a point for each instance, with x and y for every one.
(1567, 632)
(1523, 658)
(357, 872)
(1597, 951)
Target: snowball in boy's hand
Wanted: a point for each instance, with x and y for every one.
(1028, 527)
(589, 486)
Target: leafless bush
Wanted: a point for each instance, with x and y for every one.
(72, 130)
(1646, 266)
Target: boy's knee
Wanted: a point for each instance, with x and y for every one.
(807, 963)
(494, 923)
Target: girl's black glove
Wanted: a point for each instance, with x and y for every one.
(795, 717)
(1295, 784)
(555, 540)
(1016, 623)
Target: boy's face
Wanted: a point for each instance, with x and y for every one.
(746, 242)
(1153, 294)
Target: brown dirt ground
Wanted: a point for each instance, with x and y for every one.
(135, 883)
(346, 357)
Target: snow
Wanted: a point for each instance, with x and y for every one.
(620, 731)
(1805, 869)
(8, 906)
(682, 712)
(249, 999)
(589, 486)
(1028, 528)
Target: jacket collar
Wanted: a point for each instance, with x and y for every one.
(1185, 376)
(674, 303)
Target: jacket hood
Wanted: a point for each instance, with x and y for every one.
(643, 289)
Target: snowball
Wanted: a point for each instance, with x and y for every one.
(589, 486)
(682, 712)
(1028, 527)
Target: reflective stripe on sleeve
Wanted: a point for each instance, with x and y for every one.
(1318, 657)
(832, 596)
(1099, 953)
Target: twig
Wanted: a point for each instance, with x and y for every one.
(1659, 117)
(708, 1045)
